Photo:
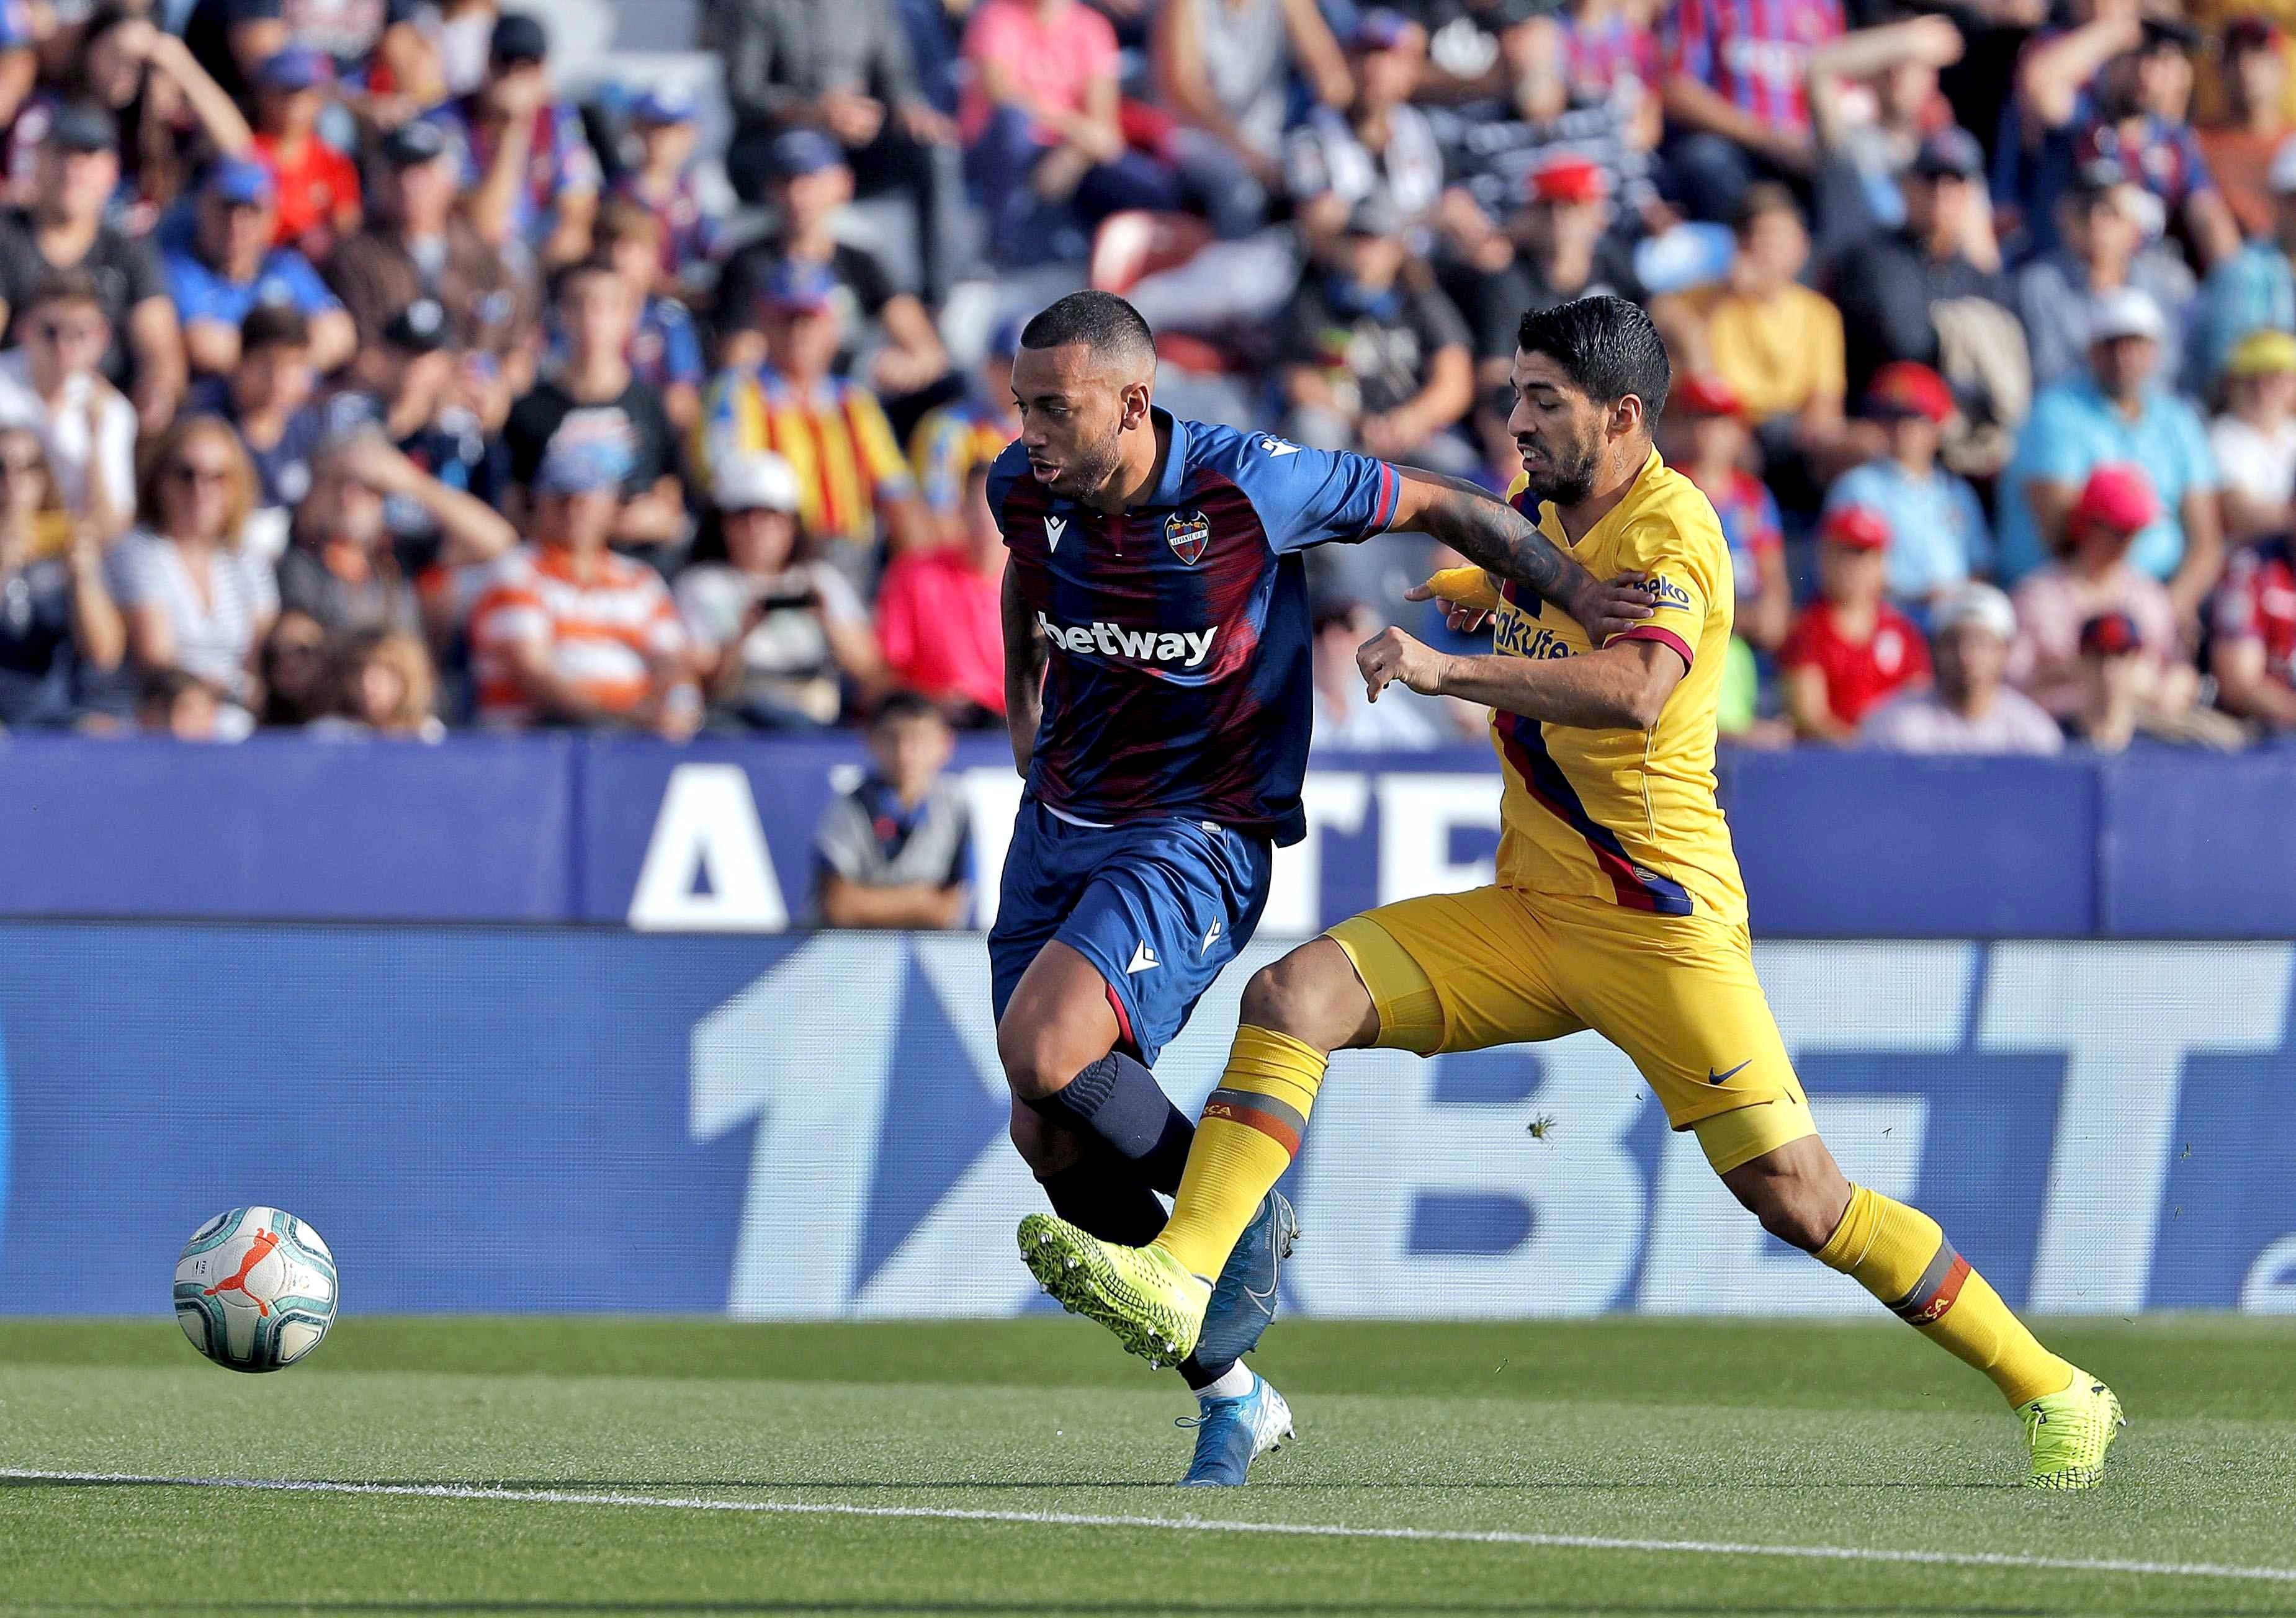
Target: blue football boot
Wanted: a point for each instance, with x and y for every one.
(1231, 1434)
(1243, 1298)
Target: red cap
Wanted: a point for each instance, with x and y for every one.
(2111, 634)
(2118, 496)
(1569, 179)
(1905, 388)
(2251, 33)
(1707, 396)
(1858, 528)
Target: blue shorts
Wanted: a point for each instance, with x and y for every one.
(1159, 906)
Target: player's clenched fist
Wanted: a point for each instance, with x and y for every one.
(1391, 654)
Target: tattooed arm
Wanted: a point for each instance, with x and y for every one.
(1024, 674)
(1504, 542)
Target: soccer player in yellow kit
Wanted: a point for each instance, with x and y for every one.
(1618, 908)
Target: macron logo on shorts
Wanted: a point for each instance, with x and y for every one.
(1187, 648)
(1142, 958)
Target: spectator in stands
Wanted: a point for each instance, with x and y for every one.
(51, 384)
(1849, 650)
(1345, 718)
(267, 399)
(2093, 579)
(594, 394)
(1708, 443)
(2113, 671)
(1736, 101)
(383, 686)
(1225, 70)
(843, 67)
(2239, 149)
(427, 405)
(1558, 246)
(342, 569)
(416, 245)
(567, 632)
(232, 38)
(531, 179)
(182, 705)
(2254, 440)
(1775, 342)
(896, 851)
(1872, 98)
(1938, 532)
(1379, 144)
(315, 188)
(64, 229)
(811, 187)
(2119, 411)
(776, 634)
(297, 678)
(2252, 634)
(1972, 708)
(961, 437)
(1369, 361)
(169, 117)
(1040, 120)
(2101, 245)
(2256, 286)
(196, 599)
(1899, 290)
(230, 266)
(937, 616)
(662, 183)
(458, 32)
(853, 487)
(57, 616)
(1482, 57)
(2115, 87)
(665, 350)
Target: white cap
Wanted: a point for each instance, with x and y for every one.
(2280, 179)
(2124, 311)
(760, 480)
(1979, 604)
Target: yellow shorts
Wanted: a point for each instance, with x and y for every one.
(1497, 966)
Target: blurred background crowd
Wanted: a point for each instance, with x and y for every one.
(383, 366)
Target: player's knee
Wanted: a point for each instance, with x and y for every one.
(1794, 1210)
(1046, 1149)
(1290, 997)
(1040, 1060)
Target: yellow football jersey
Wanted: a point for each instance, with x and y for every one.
(1626, 816)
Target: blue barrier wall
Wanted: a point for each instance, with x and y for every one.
(550, 1118)
(715, 837)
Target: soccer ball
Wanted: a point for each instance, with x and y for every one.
(255, 1289)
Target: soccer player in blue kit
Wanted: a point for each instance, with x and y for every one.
(1156, 672)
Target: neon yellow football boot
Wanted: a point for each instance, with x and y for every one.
(1143, 1295)
(2070, 1433)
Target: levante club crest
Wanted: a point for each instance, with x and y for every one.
(1188, 532)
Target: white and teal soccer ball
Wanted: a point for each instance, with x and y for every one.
(255, 1289)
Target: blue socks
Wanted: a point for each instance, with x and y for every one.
(1118, 1102)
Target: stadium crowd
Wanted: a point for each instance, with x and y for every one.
(358, 378)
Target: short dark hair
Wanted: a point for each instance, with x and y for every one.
(274, 326)
(902, 704)
(1102, 321)
(1762, 198)
(1606, 346)
(72, 286)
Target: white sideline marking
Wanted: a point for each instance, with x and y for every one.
(1077, 1519)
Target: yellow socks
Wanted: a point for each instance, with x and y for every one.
(1248, 1135)
(1899, 1256)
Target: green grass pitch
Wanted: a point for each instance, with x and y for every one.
(1621, 1466)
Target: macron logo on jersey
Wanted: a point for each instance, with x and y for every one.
(1054, 527)
(1187, 648)
(1276, 448)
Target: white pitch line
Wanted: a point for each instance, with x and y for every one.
(1192, 1525)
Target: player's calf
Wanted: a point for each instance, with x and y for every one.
(1798, 1192)
(1313, 995)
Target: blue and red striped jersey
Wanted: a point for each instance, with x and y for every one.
(1754, 52)
(1178, 680)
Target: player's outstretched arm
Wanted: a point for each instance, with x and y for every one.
(1024, 674)
(1622, 687)
(1500, 539)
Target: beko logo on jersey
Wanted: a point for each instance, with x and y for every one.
(1187, 648)
(1664, 591)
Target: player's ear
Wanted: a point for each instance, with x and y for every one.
(1627, 416)
(1134, 407)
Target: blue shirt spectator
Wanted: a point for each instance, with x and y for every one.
(548, 207)
(229, 268)
(2255, 288)
(1938, 532)
(2113, 413)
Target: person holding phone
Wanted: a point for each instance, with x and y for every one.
(780, 639)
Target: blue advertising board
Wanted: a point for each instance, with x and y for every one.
(550, 1118)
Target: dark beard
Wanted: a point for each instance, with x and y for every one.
(1565, 485)
(1083, 475)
